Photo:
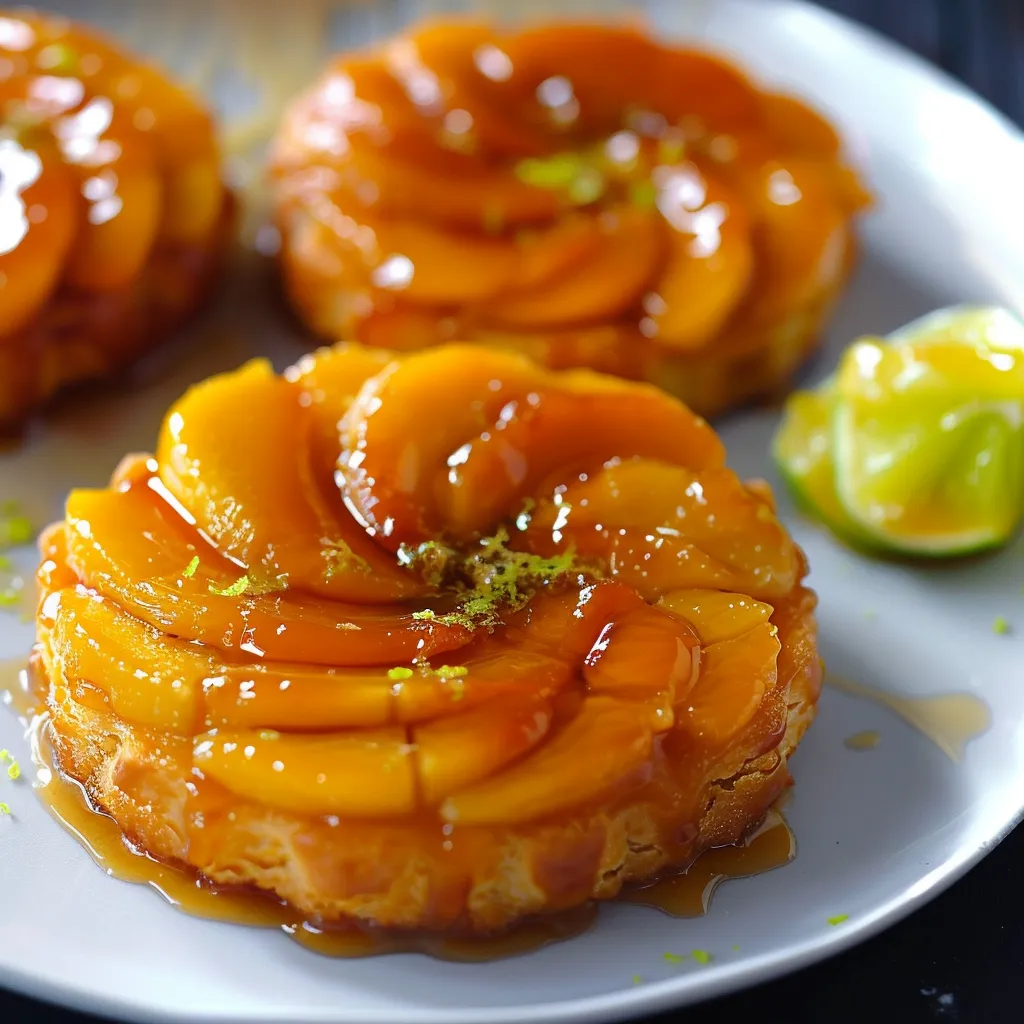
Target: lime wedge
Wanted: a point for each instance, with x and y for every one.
(803, 453)
(916, 446)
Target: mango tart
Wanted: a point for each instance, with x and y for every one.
(576, 192)
(429, 641)
(114, 213)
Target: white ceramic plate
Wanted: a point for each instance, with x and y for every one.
(879, 832)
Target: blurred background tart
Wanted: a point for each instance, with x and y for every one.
(113, 215)
(575, 192)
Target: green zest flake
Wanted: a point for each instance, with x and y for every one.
(1000, 626)
(489, 581)
(341, 558)
(674, 958)
(554, 172)
(14, 770)
(702, 956)
(10, 598)
(236, 589)
(190, 569)
(451, 671)
(4, 809)
(643, 193)
(670, 150)
(427, 614)
(587, 187)
(58, 58)
(838, 919)
(15, 527)
(568, 172)
(399, 673)
(637, 980)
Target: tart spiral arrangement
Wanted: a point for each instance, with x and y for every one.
(576, 193)
(430, 641)
(112, 211)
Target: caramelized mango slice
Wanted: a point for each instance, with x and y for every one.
(711, 259)
(32, 248)
(455, 752)
(493, 671)
(297, 697)
(425, 264)
(660, 528)
(241, 478)
(148, 677)
(511, 426)
(117, 174)
(359, 774)
(611, 279)
(647, 655)
(177, 124)
(717, 614)
(604, 747)
(735, 675)
(143, 569)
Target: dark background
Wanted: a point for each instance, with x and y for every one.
(961, 958)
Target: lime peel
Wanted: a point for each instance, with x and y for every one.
(916, 445)
(838, 919)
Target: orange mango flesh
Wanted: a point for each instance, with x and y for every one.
(697, 207)
(111, 161)
(664, 527)
(511, 425)
(189, 600)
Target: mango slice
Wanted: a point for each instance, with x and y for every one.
(359, 774)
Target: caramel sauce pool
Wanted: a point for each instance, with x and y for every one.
(689, 894)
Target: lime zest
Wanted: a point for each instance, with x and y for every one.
(451, 671)
(190, 569)
(580, 179)
(637, 980)
(702, 956)
(399, 672)
(735, 948)
(838, 919)
(236, 589)
(5, 808)
(587, 187)
(426, 615)
(15, 526)
(57, 59)
(670, 150)
(340, 558)
(643, 193)
(673, 958)
(490, 581)
(553, 172)
(1000, 626)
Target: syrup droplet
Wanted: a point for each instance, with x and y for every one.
(866, 740)
(949, 720)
